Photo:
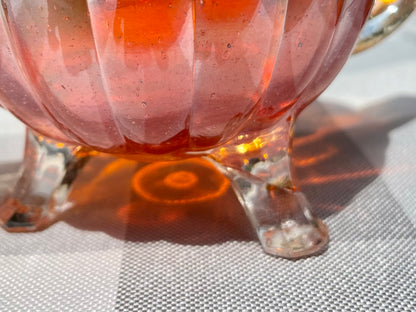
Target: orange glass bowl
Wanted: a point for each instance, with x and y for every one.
(170, 79)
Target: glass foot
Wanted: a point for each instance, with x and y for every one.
(290, 230)
(260, 172)
(282, 217)
(49, 169)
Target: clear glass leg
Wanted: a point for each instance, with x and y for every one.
(260, 172)
(49, 169)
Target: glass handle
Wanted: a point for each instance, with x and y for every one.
(385, 17)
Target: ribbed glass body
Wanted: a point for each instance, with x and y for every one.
(168, 76)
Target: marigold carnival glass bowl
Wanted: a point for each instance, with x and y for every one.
(172, 79)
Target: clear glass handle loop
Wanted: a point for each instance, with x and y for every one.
(385, 17)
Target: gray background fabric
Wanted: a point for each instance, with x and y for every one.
(364, 187)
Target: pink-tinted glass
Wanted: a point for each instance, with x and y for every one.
(135, 76)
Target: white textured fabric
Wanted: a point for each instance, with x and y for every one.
(360, 140)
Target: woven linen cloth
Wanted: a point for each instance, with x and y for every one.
(355, 159)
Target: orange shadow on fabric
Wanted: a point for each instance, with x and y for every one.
(189, 199)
